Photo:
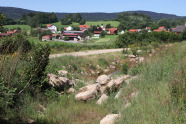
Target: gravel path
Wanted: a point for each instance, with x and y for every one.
(86, 53)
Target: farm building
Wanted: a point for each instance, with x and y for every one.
(179, 29)
(133, 30)
(97, 33)
(83, 27)
(74, 35)
(46, 38)
(52, 27)
(69, 28)
(113, 31)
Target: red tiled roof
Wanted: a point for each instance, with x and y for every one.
(113, 29)
(54, 35)
(49, 25)
(83, 26)
(156, 30)
(65, 28)
(65, 34)
(148, 28)
(173, 29)
(10, 32)
(46, 35)
(97, 32)
(161, 28)
(4, 34)
(133, 30)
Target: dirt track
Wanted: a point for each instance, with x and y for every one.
(86, 53)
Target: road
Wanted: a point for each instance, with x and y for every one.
(86, 53)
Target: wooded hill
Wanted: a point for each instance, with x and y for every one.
(16, 13)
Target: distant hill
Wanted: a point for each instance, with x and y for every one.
(16, 13)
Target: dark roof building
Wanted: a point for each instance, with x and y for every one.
(179, 28)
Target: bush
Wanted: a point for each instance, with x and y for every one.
(124, 69)
(66, 38)
(102, 35)
(15, 43)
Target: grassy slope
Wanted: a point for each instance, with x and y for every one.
(113, 23)
(155, 104)
(23, 27)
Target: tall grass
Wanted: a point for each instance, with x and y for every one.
(154, 103)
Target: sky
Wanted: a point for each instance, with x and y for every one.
(177, 7)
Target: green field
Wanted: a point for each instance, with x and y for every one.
(23, 27)
(89, 23)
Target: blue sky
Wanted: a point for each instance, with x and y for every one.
(177, 7)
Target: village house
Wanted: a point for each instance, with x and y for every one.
(74, 35)
(113, 31)
(160, 29)
(179, 29)
(69, 28)
(52, 27)
(83, 27)
(46, 38)
(133, 30)
(97, 33)
(148, 29)
(4, 35)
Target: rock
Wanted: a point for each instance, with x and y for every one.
(139, 51)
(92, 71)
(88, 92)
(114, 63)
(59, 82)
(140, 59)
(111, 84)
(119, 81)
(106, 70)
(110, 119)
(131, 56)
(134, 94)
(128, 104)
(30, 121)
(71, 90)
(112, 67)
(102, 99)
(118, 95)
(103, 89)
(62, 72)
(42, 107)
(103, 79)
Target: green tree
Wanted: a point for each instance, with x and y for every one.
(154, 26)
(108, 26)
(2, 17)
(184, 34)
(35, 72)
(82, 22)
(164, 22)
(102, 35)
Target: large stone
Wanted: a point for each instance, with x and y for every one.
(131, 56)
(102, 99)
(118, 94)
(62, 72)
(103, 89)
(110, 119)
(71, 90)
(111, 84)
(88, 92)
(59, 82)
(103, 79)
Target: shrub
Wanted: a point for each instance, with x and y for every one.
(124, 69)
(15, 43)
(66, 38)
(102, 35)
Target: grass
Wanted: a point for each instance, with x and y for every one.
(89, 23)
(23, 27)
(155, 102)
